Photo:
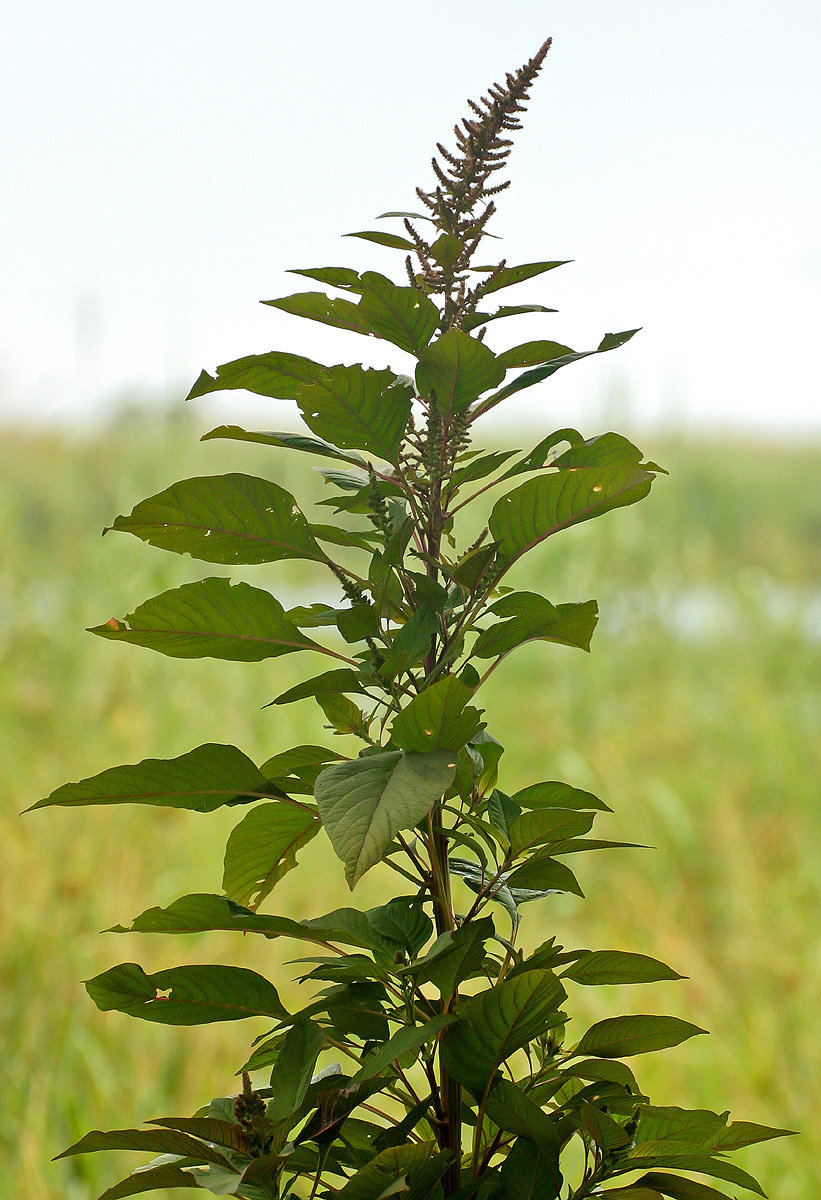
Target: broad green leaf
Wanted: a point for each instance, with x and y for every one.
(619, 1037)
(557, 795)
(508, 276)
(454, 956)
(288, 441)
(605, 1132)
(528, 354)
(679, 1188)
(679, 1130)
(479, 467)
(339, 277)
(509, 310)
(341, 679)
(295, 770)
(604, 1070)
(747, 1133)
(155, 1141)
(411, 642)
(401, 923)
(276, 374)
(188, 995)
(528, 378)
(263, 847)
(364, 803)
(341, 713)
(210, 619)
(531, 1171)
(358, 408)
(606, 450)
(392, 240)
(409, 1037)
(718, 1168)
(166, 1176)
(529, 617)
(455, 370)
(438, 718)
(499, 1021)
(386, 1169)
(401, 315)
(208, 1129)
(293, 1069)
(617, 966)
(224, 519)
(316, 306)
(549, 503)
(447, 250)
(509, 1107)
(539, 455)
(202, 780)
(534, 828)
(545, 875)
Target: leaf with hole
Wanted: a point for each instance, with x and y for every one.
(188, 995)
(438, 718)
(358, 408)
(529, 617)
(403, 316)
(276, 374)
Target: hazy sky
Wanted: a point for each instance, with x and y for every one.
(162, 162)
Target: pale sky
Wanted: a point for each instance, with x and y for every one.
(162, 162)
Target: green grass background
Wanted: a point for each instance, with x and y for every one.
(696, 718)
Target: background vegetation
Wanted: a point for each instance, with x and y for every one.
(697, 719)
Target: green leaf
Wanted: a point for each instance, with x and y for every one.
(262, 848)
(454, 956)
(538, 456)
(545, 875)
(403, 316)
(531, 1171)
(296, 770)
(455, 370)
(411, 642)
(341, 713)
(557, 795)
(210, 619)
(339, 277)
(202, 780)
(438, 718)
(224, 519)
(528, 354)
(532, 618)
(276, 374)
(288, 441)
(680, 1189)
(497, 1022)
(316, 306)
(606, 450)
(396, 1165)
(534, 828)
(547, 504)
(293, 1069)
(208, 1129)
(479, 467)
(166, 1176)
(392, 240)
(400, 924)
(196, 995)
(341, 679)
(605, 1132)
(482, 318)
(358, 408)
(619, 1037)
(508, 276)
(154, 1141)
(617, 966)
(718, 1168)
(513, 1111)
(447, 250)
(409, 1037)
(364, 803)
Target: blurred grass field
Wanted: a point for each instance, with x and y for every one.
(696, 718)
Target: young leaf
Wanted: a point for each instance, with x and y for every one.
(401, 315)
(341, 713)
(224, 519)
(288, 441)
(358, 408)
(262, 848)
(293, 1069)
(508, 276)
(276, 374)
(364, 803)
(438, 718)
(619, 1037)
(210, 619)
(196, 995)
(531, 1171)
(530, 617)
(202, 780)
(617, 966)
(543, 506)
(455, 370)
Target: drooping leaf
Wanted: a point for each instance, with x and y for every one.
(438, 718)
(358, 408)
(341, 679)
(455, 370)
(554, 794)
(224, 519)
(276, 374)
(364, 803)
(407, 1038)
(210, 619)
(403, 316)
(534, 828)
(155, 1141)
(479, 467)
(718, 1168)
(335, 1098)
(166, 1176)
(531, 1171)
(499, 1021)
(288, 441)
(196, 995)
(617, 966)
(293, 1069)
(316, 306)
(619, 1037)
(530, 617)
(679, 1188)
(263, 847)
(508, 276)
(542, 506)
(528, 354)
(202, 780)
